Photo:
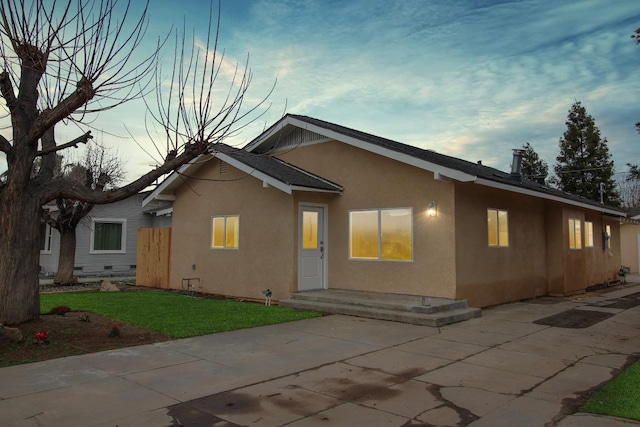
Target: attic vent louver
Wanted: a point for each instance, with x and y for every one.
(300, 137)
(223, 167)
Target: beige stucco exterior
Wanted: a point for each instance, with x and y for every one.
(451, 255)
(630, 242)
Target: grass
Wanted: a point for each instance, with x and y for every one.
(174, 314)
(620, 397)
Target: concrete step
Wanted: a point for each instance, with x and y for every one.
(399, 308)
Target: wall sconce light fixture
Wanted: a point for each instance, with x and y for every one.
(432, 209)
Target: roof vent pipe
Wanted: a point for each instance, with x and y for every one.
(516, 166)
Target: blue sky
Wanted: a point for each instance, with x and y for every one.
(471, 79)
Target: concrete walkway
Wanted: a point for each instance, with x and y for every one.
(498, 370)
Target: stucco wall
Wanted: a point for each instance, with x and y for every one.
(265, 257)
(581, 268)
(629, 245)
(372, 181)
(493, 275)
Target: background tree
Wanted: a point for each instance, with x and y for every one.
(64, 61)
(533, 167)
(585, 167)
(629, 187)
(98, 169)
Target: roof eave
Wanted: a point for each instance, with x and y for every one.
(529, 192)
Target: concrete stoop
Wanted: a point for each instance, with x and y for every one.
(414, 309)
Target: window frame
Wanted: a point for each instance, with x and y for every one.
(123, 238)
(48, 237)
(588, 234)
(497, 236)
(224, 232)
(575, 242)
(379, 236)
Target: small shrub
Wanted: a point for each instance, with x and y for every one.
(60, 310)
(42, 337)
(114, 330)
(84, 317)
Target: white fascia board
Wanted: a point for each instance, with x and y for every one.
(316, 190)
(286, 188)
(403, 158)
(163, 212)
(155, 194)
(528, 192)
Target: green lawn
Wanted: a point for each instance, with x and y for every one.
(173, 314)
(620, 397)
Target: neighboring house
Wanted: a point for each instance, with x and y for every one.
(312, 205)
(630, 240)
(106, 239)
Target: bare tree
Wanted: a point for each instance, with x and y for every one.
(98, 169)
(64, 60)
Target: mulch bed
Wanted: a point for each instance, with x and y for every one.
(69, 336)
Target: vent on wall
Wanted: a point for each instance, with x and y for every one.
(300, 137)
(223, 167)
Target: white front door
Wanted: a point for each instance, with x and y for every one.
(311, 244)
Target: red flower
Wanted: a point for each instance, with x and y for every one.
(42, 336)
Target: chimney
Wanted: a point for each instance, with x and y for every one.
(516, 166)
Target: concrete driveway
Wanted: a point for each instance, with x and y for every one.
(498, 370)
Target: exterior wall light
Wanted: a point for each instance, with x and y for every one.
(432, 209)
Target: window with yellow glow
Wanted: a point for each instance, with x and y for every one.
(607, 229)
(575, 234)
(498, 227)
(309, 230)
(588, 234)
(225, 231)
(382, 234)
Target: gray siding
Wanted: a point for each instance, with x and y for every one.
(103, 263)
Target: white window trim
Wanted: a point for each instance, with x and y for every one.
(225, 247)
(587, 234)
(123, 249)
(498, 244)
(48, 240)
(379, 258)
(578, 221)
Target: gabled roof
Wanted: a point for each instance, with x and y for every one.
(440, 164)
(271, 171)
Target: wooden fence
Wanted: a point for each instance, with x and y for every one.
(154, 254)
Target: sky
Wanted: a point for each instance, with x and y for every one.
(472, 79)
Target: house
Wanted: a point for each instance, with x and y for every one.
(313, 205)
(630, 240)
(115, 252)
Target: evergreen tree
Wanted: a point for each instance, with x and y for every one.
(533, 167)
(585, 167)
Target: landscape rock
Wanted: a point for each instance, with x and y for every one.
(9, 335)
(107, 286)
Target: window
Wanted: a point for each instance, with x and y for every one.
(45, 238)
(498, 227)
(575, 234)
(381, 234)
(588, 234)
(108, 235)
(225, 231)
(607, 239)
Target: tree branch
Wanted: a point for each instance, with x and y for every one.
(69, 189)
(6, 89)
(49, 118)
(82, 139)
(5, 146)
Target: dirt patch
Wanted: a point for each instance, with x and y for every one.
(70, 336)
(574, 319)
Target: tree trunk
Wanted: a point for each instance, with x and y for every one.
(19, 257)
(66, 261)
